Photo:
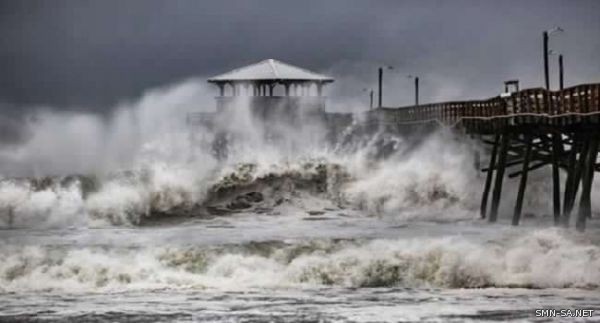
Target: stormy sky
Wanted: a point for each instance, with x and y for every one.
(90, 55)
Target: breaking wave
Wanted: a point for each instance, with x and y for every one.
(183, 190)
(542, 259)
(161, 191)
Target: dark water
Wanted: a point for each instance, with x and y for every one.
(299, 305)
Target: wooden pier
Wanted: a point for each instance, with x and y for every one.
(527, 130)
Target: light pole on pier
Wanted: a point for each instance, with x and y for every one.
(546, 36)
(416, 78)
(389, 67)
(546, 77)
(380, 87)
(561, 78)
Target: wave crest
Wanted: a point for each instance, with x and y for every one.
(542, 259)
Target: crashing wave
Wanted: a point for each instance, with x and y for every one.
(415, 180)
(164, 191)
(541, 259)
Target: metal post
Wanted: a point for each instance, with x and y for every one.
(561, 79)
(416, 91)
(546, 76)
(380, 87)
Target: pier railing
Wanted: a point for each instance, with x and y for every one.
(535, 105)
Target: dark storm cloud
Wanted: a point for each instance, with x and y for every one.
(77, 54)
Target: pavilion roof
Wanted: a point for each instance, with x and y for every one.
(270, 70)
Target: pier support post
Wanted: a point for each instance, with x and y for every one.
(500, 167)
(570, 182)
(577, 175)
(523, 182)
(488, 178)
(585, 204)
(556, 152)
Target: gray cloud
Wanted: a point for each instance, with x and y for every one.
(89, 55)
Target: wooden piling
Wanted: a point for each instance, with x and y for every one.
(570, 182)
(556, 152)
(488, 178)
(585, 204)
(500, 167)
(523, 182)
(577, 175)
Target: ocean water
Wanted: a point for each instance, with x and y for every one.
(261, 268)
(376, 228)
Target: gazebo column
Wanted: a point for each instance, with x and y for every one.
(319, 89)
(271, 87)
(221, 89)
(287, 89)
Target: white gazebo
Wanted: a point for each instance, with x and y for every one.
(260, 79)
(271, 89)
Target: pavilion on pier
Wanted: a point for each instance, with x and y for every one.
(272, 84)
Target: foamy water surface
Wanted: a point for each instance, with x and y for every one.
(297, 267)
